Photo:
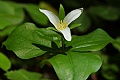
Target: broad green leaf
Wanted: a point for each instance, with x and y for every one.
(61, 12)
(4, 23)
(93, 41)
(22, 38)
(10, 14)
(20, 41)
(48, 35)
(6, 31)
(75, 66)
(105, 12)
(36, 15)
(5, 63)
(7, 8)
(22, 74)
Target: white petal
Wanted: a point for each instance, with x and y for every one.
(73, 15)
(51, 16)
(66, 33)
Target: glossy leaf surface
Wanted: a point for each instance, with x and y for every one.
(22, 38)
(75, 66)
(93, 41)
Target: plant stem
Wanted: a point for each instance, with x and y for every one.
(63, 44)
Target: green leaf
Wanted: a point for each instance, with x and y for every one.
(5, 63)
(6, 31)
(36, 15)
(22, 74)
(20, 41)
(74, 25)
(22, 38)
(52, 28)
(93, 41)
(47, 35)
(10, 14)
(4, 23)
(105, 12)
(61, 12)
(75, 66)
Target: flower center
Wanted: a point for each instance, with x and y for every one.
(62, 25)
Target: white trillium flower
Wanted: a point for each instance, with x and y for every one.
(60, 25)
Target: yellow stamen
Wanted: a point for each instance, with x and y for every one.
(61, 25)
